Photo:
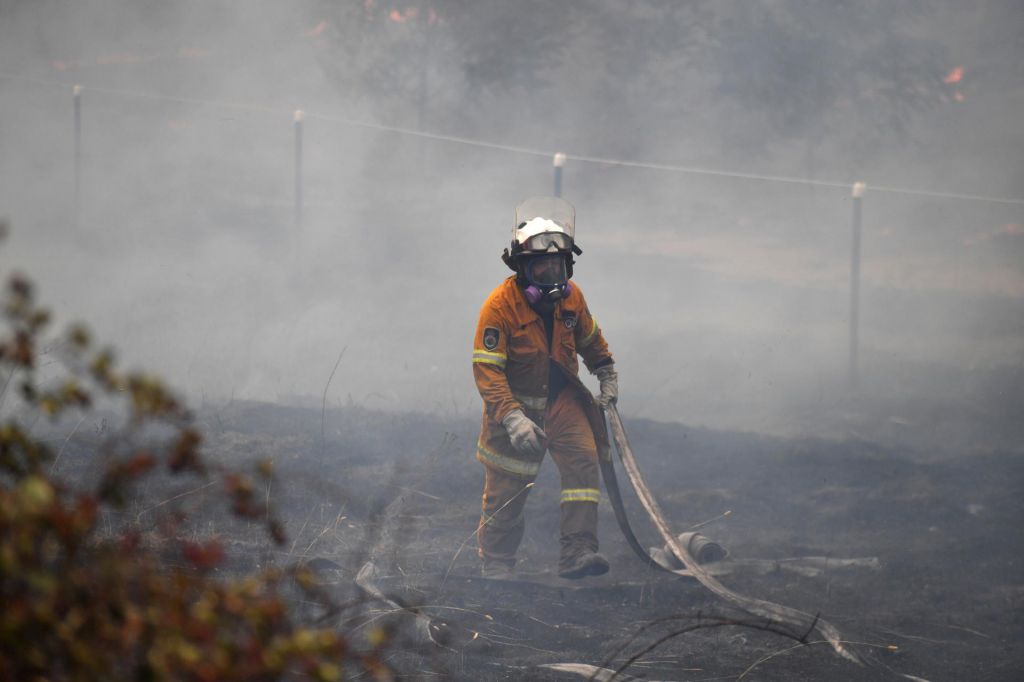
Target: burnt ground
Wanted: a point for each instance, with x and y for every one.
(944, 603)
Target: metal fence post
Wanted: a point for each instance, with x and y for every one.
(558, 162)
(299, 116)
(76, 97)
(857, 193)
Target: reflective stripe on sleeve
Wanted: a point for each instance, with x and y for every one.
(509, 464)
(485, 357)
(591, 335)
(581, 495)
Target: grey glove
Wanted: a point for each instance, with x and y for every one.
(609, 385)
(527, 438)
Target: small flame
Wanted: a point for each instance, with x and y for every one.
(402, 17)
(317, 30)
(954, 76)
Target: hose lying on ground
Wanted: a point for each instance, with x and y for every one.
(783, 615)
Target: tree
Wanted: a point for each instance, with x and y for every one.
(631, 74)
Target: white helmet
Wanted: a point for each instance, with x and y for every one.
(543, 235)
(543, 225)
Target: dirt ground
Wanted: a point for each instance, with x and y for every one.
(943, 602)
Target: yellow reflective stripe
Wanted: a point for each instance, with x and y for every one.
(589, 338)
(581, 495)
(488, 358)
(538, 403)
(509, 464)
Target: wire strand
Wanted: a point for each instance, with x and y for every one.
(516, 149)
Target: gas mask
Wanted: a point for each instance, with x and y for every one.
(546, 277)
(542, 248)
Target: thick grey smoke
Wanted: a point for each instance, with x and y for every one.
(725, 299)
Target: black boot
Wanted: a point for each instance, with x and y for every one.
(582, 564)
(496, 569)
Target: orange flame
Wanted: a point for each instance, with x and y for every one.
(402, 17)
(317, 30)
(954, 76)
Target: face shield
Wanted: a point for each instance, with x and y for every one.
(546, 272)
(542, 248)
(544, 224)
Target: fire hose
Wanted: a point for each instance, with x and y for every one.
(798, 620)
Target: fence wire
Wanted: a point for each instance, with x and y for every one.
(516, 149)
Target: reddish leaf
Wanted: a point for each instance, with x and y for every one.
(203, 555)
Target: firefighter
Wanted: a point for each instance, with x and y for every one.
(531, 329)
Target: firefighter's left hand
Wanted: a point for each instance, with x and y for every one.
(609, 385)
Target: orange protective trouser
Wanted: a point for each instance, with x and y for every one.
(571, 444)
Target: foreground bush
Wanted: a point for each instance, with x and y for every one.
(79, 603)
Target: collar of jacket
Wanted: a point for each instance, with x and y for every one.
(524, 312)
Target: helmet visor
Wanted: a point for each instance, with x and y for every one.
(548, 270)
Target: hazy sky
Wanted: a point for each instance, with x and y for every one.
(724, 299)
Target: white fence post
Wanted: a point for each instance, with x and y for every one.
(558, 162)
(857, 193)
(299, 116)
(76, 98)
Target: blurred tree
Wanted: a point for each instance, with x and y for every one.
(851, 71)
(612, 77)
(404, 57)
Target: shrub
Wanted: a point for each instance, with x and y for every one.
(81, 603)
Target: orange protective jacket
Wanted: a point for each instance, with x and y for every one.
(511, 364)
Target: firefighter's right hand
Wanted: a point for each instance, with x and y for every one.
(527, 438)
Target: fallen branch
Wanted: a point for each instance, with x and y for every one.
(591, 672)
(426, 627)
(888, 647)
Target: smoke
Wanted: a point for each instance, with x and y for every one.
(725, 299)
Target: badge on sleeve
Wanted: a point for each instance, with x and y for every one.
(491, 338)
(569, 320)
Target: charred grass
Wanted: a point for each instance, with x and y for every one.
(354, 485)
